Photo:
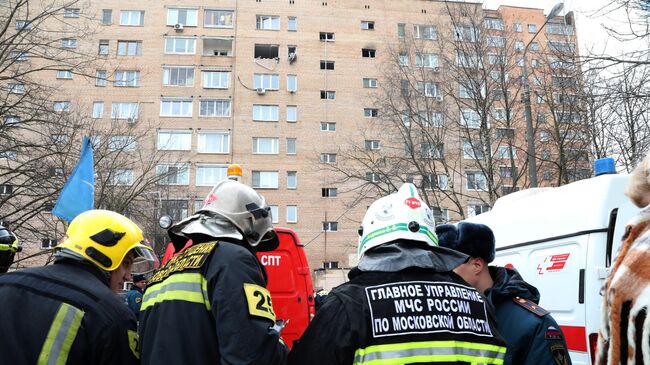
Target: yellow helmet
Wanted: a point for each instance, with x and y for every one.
(104, 238)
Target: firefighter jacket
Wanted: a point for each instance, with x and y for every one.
(209, 305)
(532, 335)
(133, 300)
(419, 314)
(64, 313)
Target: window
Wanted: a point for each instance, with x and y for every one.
(292, 214)
(517, 27)
(534, 46)
(18, 56)
(472, 150)
(6, 189)
(127, 78)
(214, 108)
(547, 175)
(266, 113)
(47, 243)
(432, 150)
(326, 37)
(214, 142)
(503, 152)
(101, 78)
(24, 24)
(436, 182)
(532, 28)
(265, 179)
(107, 16)
(496, 59)
(369, 83)
(69, 43)
(372, 144)
(175, 108)
(176, 174)
(328, 94)
(519, 45)
(368, 52)
(59, 139)
(425, 32)
(520, 62)
(440, 215)
(370, 112)
(292, 24)
(328, 157)
(124, 111)
(103, 47)
(11, 119)
(219, 47)
(367, 25)
(494, 23)
(266, 81)
(98, 109)
(177, 45)
(326, 65)
(218, 18)
(132, 17)
(265, 145)
(292, 179)
(430, 119)
(465, 34)
(535, 63)
(493, 41)
(176, 209)
(330, 264)
(499, 113)
(401, 30)
(210, 175)
(11, 155)
(403, 59)
(476, 209)
(178, 76)
(373, 177)
(268, 22)
(171, 140)
(505, 133)
(428, 60)
(428, 89)
(216, 79)
(476, 181)
(507, 172)
(71, 13)
(328, 126)
(129, 48)
(291, 146)
(186, 17)
(464, 91)
(16, 88)
(61, 106)
(121, 177)
(292, 113)
(331, 227)
(559, 28)
(329, 192)
(122, 142)
(274, 214)
(470, 118)
(466, 59)
(292, 83)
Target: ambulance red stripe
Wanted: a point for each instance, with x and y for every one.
(576, 338)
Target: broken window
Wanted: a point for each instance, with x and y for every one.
(266, 51)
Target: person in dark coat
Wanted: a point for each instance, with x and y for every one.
(403, 303)
(532, 335)
(133, 297)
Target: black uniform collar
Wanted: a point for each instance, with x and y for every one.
(103, 276)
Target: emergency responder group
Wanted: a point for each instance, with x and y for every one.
(411, 299)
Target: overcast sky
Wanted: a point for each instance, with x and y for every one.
(589, 21)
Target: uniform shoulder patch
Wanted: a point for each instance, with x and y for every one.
(259, 301)
(192, 257)
(530, 306)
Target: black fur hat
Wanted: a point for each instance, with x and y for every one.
(475, 240)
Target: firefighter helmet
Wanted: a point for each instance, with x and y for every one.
(399, 216)
(8, 247)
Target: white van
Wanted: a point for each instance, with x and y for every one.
(563, 241)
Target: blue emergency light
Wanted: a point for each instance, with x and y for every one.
(604, 166)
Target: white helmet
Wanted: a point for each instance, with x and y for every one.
(399, 216)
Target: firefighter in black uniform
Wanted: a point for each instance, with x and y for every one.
(66, 313)
(209, 304)
(8, 248)
(403, 304)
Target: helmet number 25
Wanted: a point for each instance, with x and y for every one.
(259, 301)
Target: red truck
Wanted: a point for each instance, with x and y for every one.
(290, 283)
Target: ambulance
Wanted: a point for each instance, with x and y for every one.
(563, 241)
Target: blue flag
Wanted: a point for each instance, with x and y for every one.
(78, 193)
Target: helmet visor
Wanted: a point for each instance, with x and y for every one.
(144, 260)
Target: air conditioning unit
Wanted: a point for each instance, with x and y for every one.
(178, 27)
(260, 91)
(439, 98)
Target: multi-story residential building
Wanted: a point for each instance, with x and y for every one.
(284, 88)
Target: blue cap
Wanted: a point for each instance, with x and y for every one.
(604, 166)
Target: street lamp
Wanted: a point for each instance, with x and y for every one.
(530, 133)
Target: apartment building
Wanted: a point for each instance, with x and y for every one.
(279, 87)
